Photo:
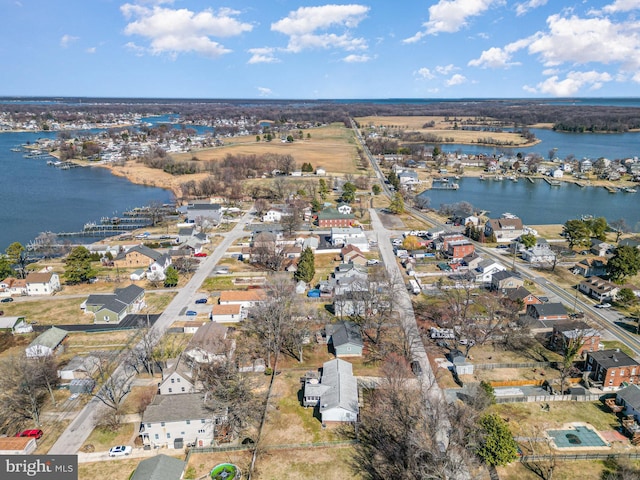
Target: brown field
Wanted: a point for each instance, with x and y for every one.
(105, 438)
(201, 464)
(303, 464)
(564, 470)
(441, 128)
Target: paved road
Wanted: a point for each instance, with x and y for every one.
(79, 430)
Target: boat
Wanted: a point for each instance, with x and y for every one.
(16, 149)
(499, 178)
(482, 177)
(630, 190)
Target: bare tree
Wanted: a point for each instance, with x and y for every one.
(143, 354)
(113, 389)
(539, 455)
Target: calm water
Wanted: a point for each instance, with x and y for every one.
(35, 197)
(540, 203)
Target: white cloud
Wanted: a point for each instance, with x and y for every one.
(636, 77)
(265, 92)
(136, 49)
(456, 79)
(356, 58)
(425, 73)
(622, 6)
(67, 40)
(446, 69)
(497, 57)
(522, 8)
(175, 31)
(302, 25)
(572, 84)
(263, 55)
(450, 16)
(588, 40)
(91, 50)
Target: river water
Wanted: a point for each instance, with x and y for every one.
(35, 197)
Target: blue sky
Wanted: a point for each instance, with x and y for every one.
(315, 50)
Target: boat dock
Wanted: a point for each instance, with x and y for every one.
(611, 189)
(530, 179)
(62, 165)
(445, 186)
(553, 183)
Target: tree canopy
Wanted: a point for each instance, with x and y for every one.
(397, 204)
(577, 233)
(624, 263)
(78, 267)
(528, 240)
(497, 446)
(306, 268)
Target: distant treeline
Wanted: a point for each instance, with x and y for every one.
(575, 118)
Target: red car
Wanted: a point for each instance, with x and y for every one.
(201, 254)
(30, 433)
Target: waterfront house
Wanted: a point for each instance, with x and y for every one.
(611, 368)
(599, 289)
(114, 307)
(159, 467)
(335, 393)
(591, 267)
(345, 338)
(586, 165)
(47, 343)
(506, 229)
(142, 256)
(171, 421)
(42, 283)
(204, 212)
(600, 248)
(210, 344)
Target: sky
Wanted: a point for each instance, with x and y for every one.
(297, 49)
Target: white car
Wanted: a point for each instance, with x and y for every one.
(120, 451)
(603, 305)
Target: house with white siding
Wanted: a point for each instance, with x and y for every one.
(42, 283)
(336, 393)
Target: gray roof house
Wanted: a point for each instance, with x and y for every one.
(159, 467)
(47, 343)
(113, 307)
(629, 398)
(177, 378)
(336, 394)
(174, 420)
(79, 367)
(345, 338)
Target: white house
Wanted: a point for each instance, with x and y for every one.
(177, 378)
(47, 343)
(42, 283)
(539, 254)
(246, 298)
(185, 416)
(13, 286)
(485, 270)
(79, 367)
(341, 236)
(336, 394)
(228, 313)
(15, 324)
(17, 445)
(557, 173)
(210, 344)
(274, 215)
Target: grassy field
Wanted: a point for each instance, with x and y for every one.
(564, 470)
(104, 438)
(117, 469)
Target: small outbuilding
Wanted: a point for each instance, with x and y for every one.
(159, 467)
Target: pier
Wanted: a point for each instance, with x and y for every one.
(445, 186)
(553, 183)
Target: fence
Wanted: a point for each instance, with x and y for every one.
(570, 457)
(492, 366)
(517, 383)
(547, 398)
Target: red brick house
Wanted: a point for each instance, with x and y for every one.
(330, 217)
(566, 332)
(459, 250)
(611, 368)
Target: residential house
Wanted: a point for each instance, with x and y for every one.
(349, 302)
(15, 324)
(523, 295)
(231, 313)
(172, 420)
(336, 393)
(506, 229)
(586, 165)
(47, 343)
(17, 446)
(246, 298)
(42, 283)
(312, 242)
(141, 256)
(564, 333)
(504, 279)
(485, 270)
(184, 234)
(600, 248)
(349, 236)
(114, 307)
(472, 261)
(591, 267)
(611, 368)
(210, 344)
(547, 311)
(344, 208)
(11, 286)
(138, 275)
(330, 217)
(408, 178)
(599, 289)
(539, 254)
(204, 212)
(345, 338)
(457, 250)
(464, 218)
(177, 378)
(274, 215)
(79, 367)
(629, 398)
(159, 467)
(353, 254)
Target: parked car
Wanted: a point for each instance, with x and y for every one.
(373, 261)
(191, 313)
(416, 368)
(120, 450)
(6, 300)
(603, 305)
(201, 300)
(222, 270)
(200, 254)
(34, 433)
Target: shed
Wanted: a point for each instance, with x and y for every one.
(346, 338)
(46, 343)
(159, 467)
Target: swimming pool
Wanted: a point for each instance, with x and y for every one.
(577, 437)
